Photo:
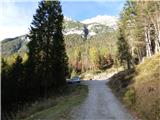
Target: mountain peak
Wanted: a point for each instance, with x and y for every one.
(102, 19)
(66, 18)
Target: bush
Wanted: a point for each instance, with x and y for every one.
(129, 97)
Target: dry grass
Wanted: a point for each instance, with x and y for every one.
(140, 90)
(147, 88)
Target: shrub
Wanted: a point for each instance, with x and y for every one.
(129, 97)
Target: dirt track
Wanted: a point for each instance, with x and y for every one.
(101, 104)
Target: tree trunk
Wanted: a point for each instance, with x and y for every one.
(158, 37)
(140, 57)
(148, 42)
(155, 19)
(128, 64)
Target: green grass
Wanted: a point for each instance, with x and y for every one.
(64, 104)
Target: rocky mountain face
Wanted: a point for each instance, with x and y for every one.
(105, 20)
(95, 26)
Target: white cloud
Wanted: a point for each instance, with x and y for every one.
(8, 32)
(14, 19)
(9, 1)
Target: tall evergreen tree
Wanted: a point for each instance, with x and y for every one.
(12, 77)
(47, 56)
(60, 59)
(17, 78)
(123, 50)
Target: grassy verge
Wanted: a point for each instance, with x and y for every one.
(58, 108)
(139, 88)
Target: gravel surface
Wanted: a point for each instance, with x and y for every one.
(100, 104)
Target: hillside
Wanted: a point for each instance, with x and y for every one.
(139, 88)
(72, 30)
(14, 45)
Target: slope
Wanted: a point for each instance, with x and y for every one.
(73, 29)
(139, 88)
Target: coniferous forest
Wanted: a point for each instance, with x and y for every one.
(46, 68)
(42, 66)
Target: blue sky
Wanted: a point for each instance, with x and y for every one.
(16, 16)
(83, 10)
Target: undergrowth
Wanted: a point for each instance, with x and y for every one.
(139, 88)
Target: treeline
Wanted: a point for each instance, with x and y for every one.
(139, 31)
(92, 58)
(45, 70)
(94, 54)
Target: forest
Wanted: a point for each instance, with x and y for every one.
(138, 50)
(139, 25)
(46, 68)
(53, 57)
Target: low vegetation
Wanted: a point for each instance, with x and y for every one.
(55, 108)
(139, 88)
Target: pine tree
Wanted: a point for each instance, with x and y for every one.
(58, 55)
(86, 31)
(12, 77)
(123, 50)
(17, 68)
(5, 86)
(17, 78)
(47, 57)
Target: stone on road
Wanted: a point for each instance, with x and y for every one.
(101, 104)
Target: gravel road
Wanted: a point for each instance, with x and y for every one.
(100, 104)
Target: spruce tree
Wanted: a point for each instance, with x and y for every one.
(123, 50)
(47, 56)
(17, 78)
(58, 55)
